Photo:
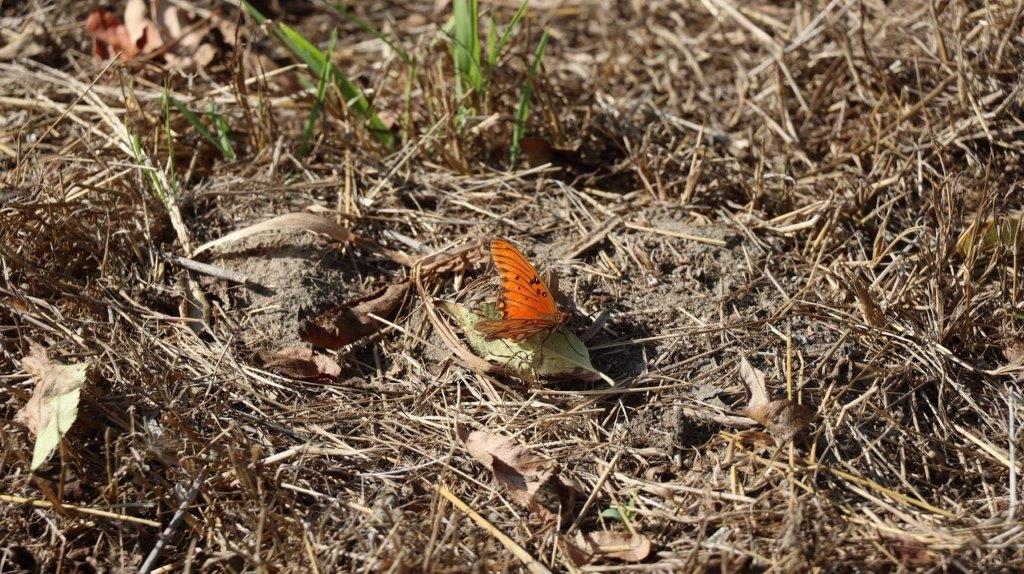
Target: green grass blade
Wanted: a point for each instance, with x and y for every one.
(318, 103)
(220, 124)
(523, 113)
(197, 123)
(506, 35)
(316, 60)
(492, 46)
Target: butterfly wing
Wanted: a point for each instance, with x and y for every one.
(527, 305)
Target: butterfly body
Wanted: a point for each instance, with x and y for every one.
(527, 306)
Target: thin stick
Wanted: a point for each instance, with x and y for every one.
(593, 493)
(165, 536)
(84, 510)
(207, 269)
(667, 233)
(595, 236)
(1012, 432)
(530, 562)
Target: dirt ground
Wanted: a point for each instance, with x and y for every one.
(829, 191)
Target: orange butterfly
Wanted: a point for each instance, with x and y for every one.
(527, 307)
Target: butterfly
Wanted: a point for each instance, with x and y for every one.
(527, 307)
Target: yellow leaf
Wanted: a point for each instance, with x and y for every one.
(556, 355)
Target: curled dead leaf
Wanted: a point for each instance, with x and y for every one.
(301, 363)
(109, 36)
(606, 544)
(141, 31)
(53, 407)
(784, 418)
(305, 221)
(1013, 350)
(533, 482)
(352, 320)
(753, 380)
(985, 234)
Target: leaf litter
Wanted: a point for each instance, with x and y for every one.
(53, 407)
(784, 418)
(590, 547)
(716, 126)
(534, 482)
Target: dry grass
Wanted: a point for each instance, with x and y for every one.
(837, 149)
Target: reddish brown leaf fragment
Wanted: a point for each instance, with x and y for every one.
(606, 544)
(784, 418)
(109, 36)
(351, 321)
(533, 482)
(301, 363)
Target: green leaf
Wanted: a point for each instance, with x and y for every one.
(624, 514)
(318, 102)
(466, 47)
(53, 407)
(612, 513)
(558, 354)
(495, 50)
(220, 141)
(223, 133)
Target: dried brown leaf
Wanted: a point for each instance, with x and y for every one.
(305, 221)
(189, 51)
(784, 418)
(532, 482)
(539, 151)
(228, 28)
(109, 36)
(983, 235)
(753, 380)
(606, 544)
(1013, 350)
(53, 407)
(351, 321)
(136, 21)
(301, 363)
(873, 314)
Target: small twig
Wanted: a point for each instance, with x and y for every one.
(211, 270)
(722, 419)
(82, 509)
(593, 493)
(165, 536)
(594, 237)
(530, 562)
(1012, 435)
